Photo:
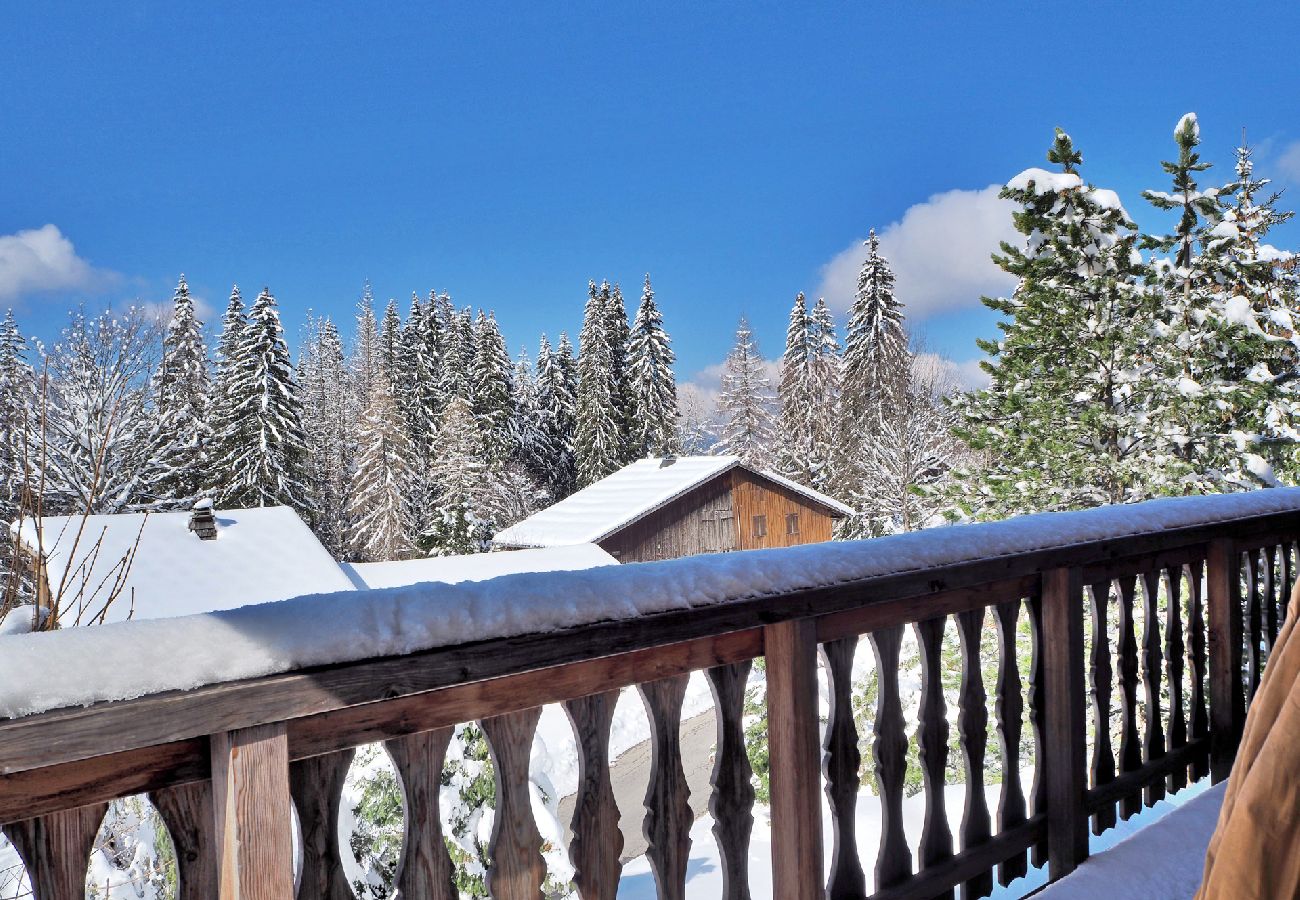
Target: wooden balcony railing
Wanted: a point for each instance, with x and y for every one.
(1175, 624)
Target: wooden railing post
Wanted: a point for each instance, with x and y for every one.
(250, 799)
(795, 759)
(1066, 721)
(55, 849)
(1227, 702)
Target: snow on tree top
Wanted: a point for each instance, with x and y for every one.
(1044, 182)
(1188, 121)
(631, 493)
(80, 666)
(476, 566)
(259, 555)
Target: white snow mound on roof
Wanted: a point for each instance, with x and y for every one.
(258, 556)
(476, 566)
(80, 666)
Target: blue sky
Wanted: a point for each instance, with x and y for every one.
(508, 153)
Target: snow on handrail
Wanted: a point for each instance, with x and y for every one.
(81, 666)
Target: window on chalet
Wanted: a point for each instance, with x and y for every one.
(760, 526)
(791, 523)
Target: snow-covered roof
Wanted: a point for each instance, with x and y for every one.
(476, 566)
(631, 493)
(259, 555)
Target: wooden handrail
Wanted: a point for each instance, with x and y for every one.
(58, 768)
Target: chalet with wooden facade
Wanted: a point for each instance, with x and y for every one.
(680, 506)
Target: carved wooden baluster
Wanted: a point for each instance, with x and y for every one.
(56, 850)
(1268, 587)
(425, 869)
(1037, 710)
(840, 764)
(597, 841)
(1174, 662)
(516, 870)
(1130, 745)
(1103, 755)
(1200, 717)
(1153, 741)
(932, 740)
(186, 810)
(667, 824)
(1254, 626)
(1284, 591)
(732, 802)
(1010, 710)
(889, 752)
(316, 785)
(972, 730)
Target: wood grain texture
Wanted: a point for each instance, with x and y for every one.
(1130, 743)
(251, 811)
(939, 880)
(1153, 736)
(932, 742)
(186, 810)
(597, 842)
(841, 762)
(1174, 655)
(731, 803)
(972, 732)
(668, 818)
(794, 755)
(889, 756)
(316, 785)
(516, 870)
(1009, 708)
(1100, 687)
(1067, 825)
(754, 495)
(1197, 661)
(56, 850)
(1037, 697)
(1227, 701)
(425, 871)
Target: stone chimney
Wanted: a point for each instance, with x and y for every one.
(203, 520)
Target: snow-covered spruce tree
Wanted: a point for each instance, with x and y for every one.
(654, 387)
(267, 465)
(381, 483)
(329, 432)
(1065, 420)
(1227, 354)
(97, 435)
(557, 405)
(745, 403)
(181, 442)
(824, 419)
(458, 358)
(531, 436)
(617, 334)
(366, 357)
(796, 444)
(233, 323)
(598, 433)
(17, 450)
(493, 394)
(390, 344)
(458, 472)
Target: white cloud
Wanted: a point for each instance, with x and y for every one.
(1288, 163)
(939, 252)
(947, 374)
(42, 259)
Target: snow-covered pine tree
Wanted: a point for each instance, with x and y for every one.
(493, 394)
(557, 402)
(617, 334)
(457, 524)
(826, 367)
(329, 432)
(795, 394)
(1227, 351)
(654, 387)
(180, 463)
(17, 450)
(381, 483)
(745, 403)
(458, 357)
(875, 351)
(531, 436)
(390, 344)
(233, 323)
(268, 462)
(1065, 420)
(97, 434)
(366, 356)
(599, 428)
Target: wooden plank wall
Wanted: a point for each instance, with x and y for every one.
(754, 495)
(675, 530)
